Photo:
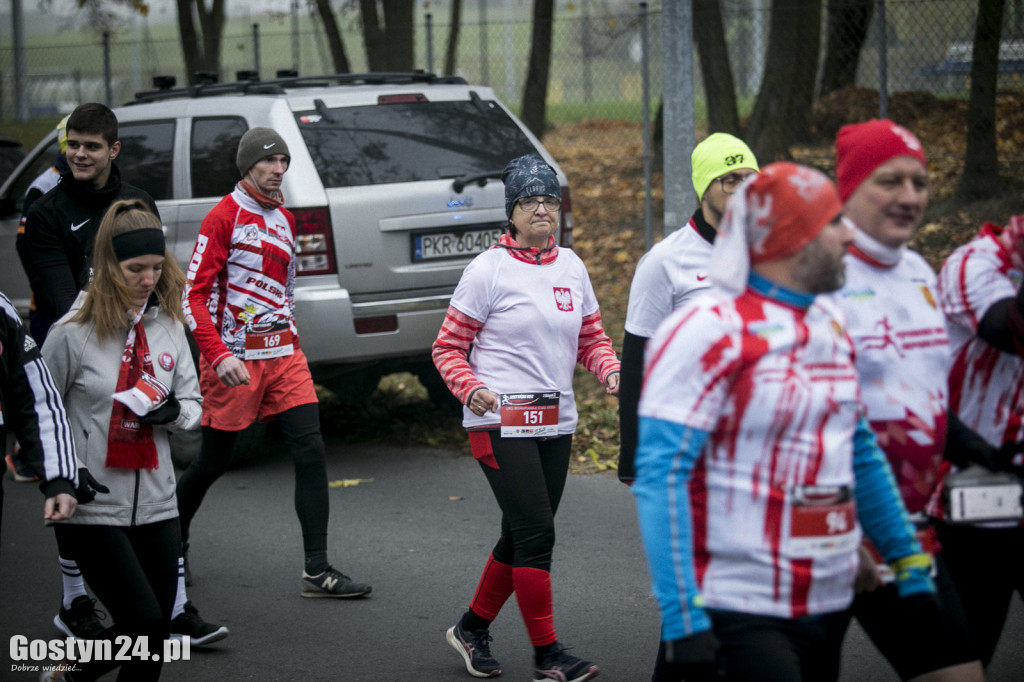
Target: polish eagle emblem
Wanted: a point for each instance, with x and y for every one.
(563, 299)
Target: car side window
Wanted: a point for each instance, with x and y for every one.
(213, 150)
(147, 156)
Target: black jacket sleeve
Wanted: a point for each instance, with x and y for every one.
(630, 382)
(1003, 324)
(33, 409)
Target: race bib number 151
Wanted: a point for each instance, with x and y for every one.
(529, 415)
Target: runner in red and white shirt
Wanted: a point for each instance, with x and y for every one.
(522, 316)
(239, 301)
(982, 297)
(755, 468)
(890, 300)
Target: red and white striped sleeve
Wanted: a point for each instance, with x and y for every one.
(595, 350)
(451, 353)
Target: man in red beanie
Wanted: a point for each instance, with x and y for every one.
(902, 353)
(755, 467)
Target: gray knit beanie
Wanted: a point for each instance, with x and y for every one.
(258, 144)
(528, 176)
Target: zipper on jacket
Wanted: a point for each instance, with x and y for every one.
(135, 502)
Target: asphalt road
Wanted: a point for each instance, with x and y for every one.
(418, 527)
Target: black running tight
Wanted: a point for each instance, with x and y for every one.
(528, 485)
(133, 570)
(300, 427)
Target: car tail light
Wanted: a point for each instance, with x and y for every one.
(314, 246)
(566, 239)
(376, 325)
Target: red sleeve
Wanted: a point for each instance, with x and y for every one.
(451, 353)
(595, 350)
(209, 258)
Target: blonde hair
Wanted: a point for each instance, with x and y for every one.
(109, 301)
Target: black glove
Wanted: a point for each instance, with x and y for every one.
(691, 659)
(1002, 458)
(164, 414)
(88, 487)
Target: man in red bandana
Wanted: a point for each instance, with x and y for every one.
(755, 468)
(239, 302)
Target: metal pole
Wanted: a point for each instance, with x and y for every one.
(679, 123)
(18, 28)
(883, 58)
(430, 42)
(256, 48)
(106, 70)
(295, 36)
(645, 80)
(485, 74)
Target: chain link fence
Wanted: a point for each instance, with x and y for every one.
(599, 53)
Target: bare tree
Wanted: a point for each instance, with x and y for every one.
(334, 41)
(848, 22)
(719, 88)
(782, 112)
(201, 52)
(453, 37)
(388, 34)
(535, 93)
(980, 178)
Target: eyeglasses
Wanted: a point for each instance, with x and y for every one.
(731, 181)
(530, 204)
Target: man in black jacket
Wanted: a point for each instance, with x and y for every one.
(61, 225)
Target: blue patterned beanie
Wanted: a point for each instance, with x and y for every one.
(528, 176)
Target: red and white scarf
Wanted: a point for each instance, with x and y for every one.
(268, 201)
(130, 443)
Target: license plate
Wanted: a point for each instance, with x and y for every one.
(435, 245)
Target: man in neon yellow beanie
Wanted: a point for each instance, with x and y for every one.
(675, 269)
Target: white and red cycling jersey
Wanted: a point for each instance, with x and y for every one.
(890, 300)
(241, 281)
(986, 383)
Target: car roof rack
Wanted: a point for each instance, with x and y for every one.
(277, 86)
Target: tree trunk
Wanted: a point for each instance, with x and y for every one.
(211, 21)
(189, 41)
(334, 41)
(783, 109)
(848, 22)
(536, 90)
(980, 178)
(373, 36)
(398, 34)
(453, 38)
(719, 87)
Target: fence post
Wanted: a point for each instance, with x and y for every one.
(18, 28)
(883, 63)
(295, 35)
(106, 70)
(645, 79)
(679, 124)
(430, 42)
(256, 48)
(485, 76)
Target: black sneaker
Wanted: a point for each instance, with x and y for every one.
(332, 583)
(561, 666)
(82, 620)
(189, 623)
(475, 650)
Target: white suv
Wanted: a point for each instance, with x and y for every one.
(394, 182)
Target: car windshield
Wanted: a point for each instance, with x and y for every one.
(410, 141)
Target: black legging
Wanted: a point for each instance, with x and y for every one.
(133, 570)
(300, 427)
(528, 486)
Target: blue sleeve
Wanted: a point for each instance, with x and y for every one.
(665, 457)
(883, 516)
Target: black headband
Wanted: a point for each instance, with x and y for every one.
(144, 242)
